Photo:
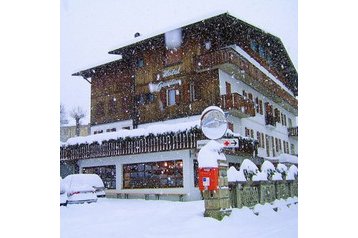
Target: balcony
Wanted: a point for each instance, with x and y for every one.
(238, 106)
(151, 143)
(233, 63)
(270, 121)
(293, 131)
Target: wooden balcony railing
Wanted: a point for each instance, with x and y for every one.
(238, 106)
(293, 131)
(143, 144)
(225, 57)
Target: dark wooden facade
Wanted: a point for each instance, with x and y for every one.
(120, 90)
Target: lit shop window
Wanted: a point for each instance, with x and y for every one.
(163, 174)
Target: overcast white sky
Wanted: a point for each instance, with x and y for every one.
(91, 28)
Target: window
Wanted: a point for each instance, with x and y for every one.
(140, 63)
(277, 146)
(228, 88)
(262, 52)
(192, 94)
(171, 93)
(161, 174)
(111, 130)
(207, 45)
(292, 149)
(145, 98)
(247, 132)
(285, 147)
(244, 94)
(258, 134)
(196, 175)
(277, 115)
(289, 122)
(249, 95)
(106, 173)
(263, 140)
(283, 117)
(253, 45)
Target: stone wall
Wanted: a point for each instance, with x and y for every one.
(251, 193)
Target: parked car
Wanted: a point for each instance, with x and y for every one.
(63, 193)
(96, 182)
(79, 190)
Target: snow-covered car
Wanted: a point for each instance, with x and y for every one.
(78, 190)
(96, 182)
(63, 193)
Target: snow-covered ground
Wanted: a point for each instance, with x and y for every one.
(147, 218)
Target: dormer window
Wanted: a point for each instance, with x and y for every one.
(262, 51)
(207, 45)
(253, 45)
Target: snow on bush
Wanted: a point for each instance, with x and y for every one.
(233, 175)
(292, 173)
(276, 176)
(282, 169)
(210, 154)
(260, 176)
(268, 168)
(249, 169)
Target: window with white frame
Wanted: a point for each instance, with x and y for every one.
(171, 97)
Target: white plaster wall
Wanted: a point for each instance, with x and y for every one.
(256, 123)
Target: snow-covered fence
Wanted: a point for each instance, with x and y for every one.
(249, 186)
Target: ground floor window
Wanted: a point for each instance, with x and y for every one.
(196, 175)
(163, 174)
(106, 173)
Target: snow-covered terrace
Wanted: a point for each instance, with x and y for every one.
(153, 138)
(153, 129)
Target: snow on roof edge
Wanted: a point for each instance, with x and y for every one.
(154, 129)
(169, 28)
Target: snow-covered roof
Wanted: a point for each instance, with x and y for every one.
(152, 129)
(186, 22)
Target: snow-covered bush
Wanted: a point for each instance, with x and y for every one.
(249, 169)
(282, 169)
(260, 176)
(268, 168)
(235, 176)
(292, 173)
